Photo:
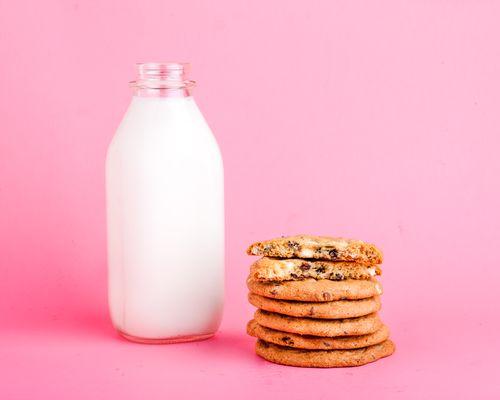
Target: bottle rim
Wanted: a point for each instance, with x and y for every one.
(162, 75)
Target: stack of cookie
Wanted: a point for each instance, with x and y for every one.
(317, 300)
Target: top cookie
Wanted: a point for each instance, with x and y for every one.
(318, 247)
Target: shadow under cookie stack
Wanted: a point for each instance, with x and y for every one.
(317, 301)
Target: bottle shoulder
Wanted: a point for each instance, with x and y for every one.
(153, 128)
(168, 116)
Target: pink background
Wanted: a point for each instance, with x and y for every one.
(375, 120)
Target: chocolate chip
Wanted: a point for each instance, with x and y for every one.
(274, 292)
(288, 340)
(320, 270)
(311, 311)
(293, 245)
(327, 296)
(333, 254)
(305, 267)
(339, 276)
(327, 344)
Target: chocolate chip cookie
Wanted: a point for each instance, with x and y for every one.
(316, 290)
(318, 247)
(323, 358)
(326, 310)
(319, 327)
(277, 269)
(315, 342)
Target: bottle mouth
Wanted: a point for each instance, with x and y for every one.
(169, 75)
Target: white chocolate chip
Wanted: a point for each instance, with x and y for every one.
(307, 253)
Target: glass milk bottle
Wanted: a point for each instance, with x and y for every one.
(165, 214)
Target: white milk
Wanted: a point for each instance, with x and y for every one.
(165, 210)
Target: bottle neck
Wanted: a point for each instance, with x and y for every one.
(162, 80)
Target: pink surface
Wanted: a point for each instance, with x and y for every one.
(376, 120)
